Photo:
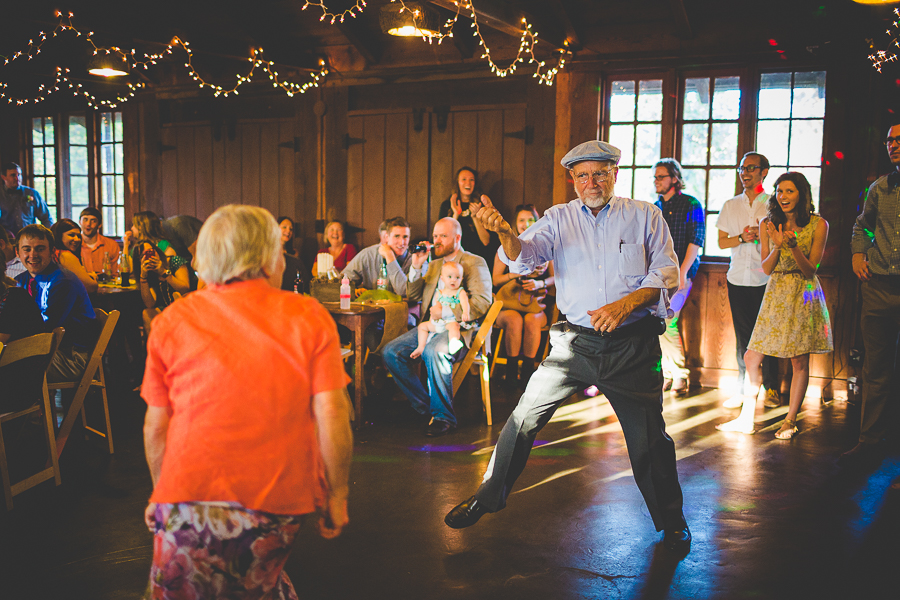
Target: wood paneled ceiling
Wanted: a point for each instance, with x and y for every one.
(222, 33)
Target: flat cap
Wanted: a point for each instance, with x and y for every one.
(593, 150)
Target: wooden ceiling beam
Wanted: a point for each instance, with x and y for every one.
(562, 10)
(683, 25)
(505, 19)
(363, 40)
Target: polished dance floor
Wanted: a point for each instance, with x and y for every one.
(770, 519)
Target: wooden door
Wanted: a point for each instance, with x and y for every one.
(251, 162)
(398, 166)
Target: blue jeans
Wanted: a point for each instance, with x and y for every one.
(438, 400)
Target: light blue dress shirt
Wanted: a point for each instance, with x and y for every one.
(598, 260)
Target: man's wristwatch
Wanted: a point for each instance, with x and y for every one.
(166, 274)
(740, 238)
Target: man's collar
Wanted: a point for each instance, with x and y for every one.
(587, 209)
(894, 178)
(50, 270)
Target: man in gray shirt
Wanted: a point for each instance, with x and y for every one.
(876, 262)
(20, 205)
(393, 251)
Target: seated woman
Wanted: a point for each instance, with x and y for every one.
(293, 279)
(342, 252)
(67, 248)
(237, 459)
(150, 253)
(182, 232)
(522, 329)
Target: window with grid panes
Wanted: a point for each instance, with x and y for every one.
(79, 166)
(112, 174)
(43, 162)
(635, 127)
(791, 124)
(711, 108)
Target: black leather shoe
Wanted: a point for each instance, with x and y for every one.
(678, 540)
(465, 514)
(438, 428)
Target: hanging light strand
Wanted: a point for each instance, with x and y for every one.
(527, 42)
(62, 78)
(353, 11)
(131, 60)
(880, 57)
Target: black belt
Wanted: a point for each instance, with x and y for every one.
(892, 279)
(648, 325)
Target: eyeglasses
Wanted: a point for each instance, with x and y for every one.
(891, 141)
(661, 177)
(596, 176)
(748, 169)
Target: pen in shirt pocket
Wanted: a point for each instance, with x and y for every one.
(620, 245)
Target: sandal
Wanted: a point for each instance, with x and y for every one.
(788, 430)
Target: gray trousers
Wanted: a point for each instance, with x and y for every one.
(880, 322)
(628, 372)
(68, 365)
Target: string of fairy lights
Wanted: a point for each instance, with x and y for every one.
(130, 58)
(527, 43)
(880, 57)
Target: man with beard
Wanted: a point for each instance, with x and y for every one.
(684, 215)
(437, 402)
(615, 268)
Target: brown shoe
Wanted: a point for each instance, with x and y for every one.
(772, 399)
(861, 455)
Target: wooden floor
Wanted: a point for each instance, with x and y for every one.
(770, 519)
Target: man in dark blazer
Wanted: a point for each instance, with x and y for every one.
(437, 356)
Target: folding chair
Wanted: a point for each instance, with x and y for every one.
(88, 381)
(31, 356)
(552, 318)
(477, 358)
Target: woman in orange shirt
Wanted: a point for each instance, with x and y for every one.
(237, 457)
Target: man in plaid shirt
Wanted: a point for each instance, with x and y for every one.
(687, 223)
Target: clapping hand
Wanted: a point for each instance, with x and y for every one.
(455, 206)
(491, 218)
(776, 235)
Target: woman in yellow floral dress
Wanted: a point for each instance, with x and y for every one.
(793, 321)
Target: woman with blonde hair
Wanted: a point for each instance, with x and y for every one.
(236, 459)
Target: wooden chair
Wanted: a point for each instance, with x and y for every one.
(88, 381)
(40, 350)
(552, 318)
(476, 357)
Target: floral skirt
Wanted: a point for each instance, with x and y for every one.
(203, 550)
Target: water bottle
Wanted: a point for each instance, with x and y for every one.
(345, 293)
(382, 282)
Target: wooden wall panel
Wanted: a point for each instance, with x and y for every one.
(270, 154)
(251, 159)
(169, 170)
(187, 187)
(443, 169)
(356, 165)
(396, 154)
(514, 162)
(373, 179)
(489, 141)
(417, 197)
(465, 140)
(231, 180)
(203, 178)
(288, 201)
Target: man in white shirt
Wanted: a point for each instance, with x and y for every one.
(738, 226)
(8, 254)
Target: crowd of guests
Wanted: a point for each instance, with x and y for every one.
(615, 338)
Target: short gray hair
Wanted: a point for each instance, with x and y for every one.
(238, 242)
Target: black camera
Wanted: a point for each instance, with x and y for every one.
(420, 247)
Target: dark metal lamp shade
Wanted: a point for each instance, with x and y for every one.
(416, 20)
